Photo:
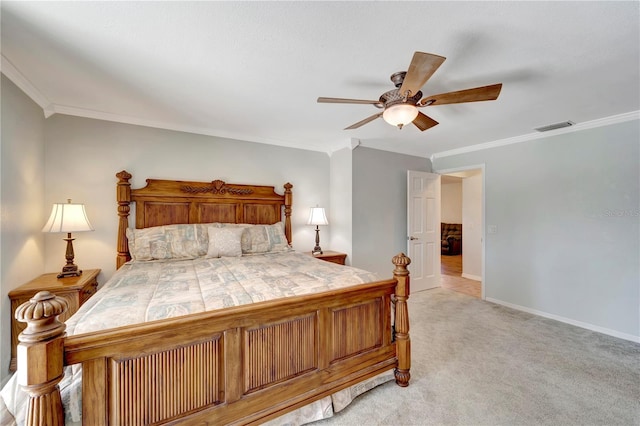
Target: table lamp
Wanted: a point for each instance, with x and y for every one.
(317, 217)
(68, 218)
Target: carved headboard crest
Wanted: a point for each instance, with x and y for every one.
(217, 187)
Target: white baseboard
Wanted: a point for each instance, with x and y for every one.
(471, 277)
(581, 324)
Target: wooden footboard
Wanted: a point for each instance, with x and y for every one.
(239, 365)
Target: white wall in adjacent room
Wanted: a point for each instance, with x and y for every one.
(451, 202)
(472, 226)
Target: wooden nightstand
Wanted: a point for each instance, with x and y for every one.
(331, 256)
(76, 290)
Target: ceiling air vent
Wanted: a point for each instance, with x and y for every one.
(555, 126)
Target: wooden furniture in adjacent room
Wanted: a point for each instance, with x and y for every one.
(331, 256)
(75, 290)
(451, 239)
(236, 365)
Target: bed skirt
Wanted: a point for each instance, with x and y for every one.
(13, 401)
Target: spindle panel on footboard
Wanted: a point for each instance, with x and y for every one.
(271, 356)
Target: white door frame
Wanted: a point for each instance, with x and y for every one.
(463, 169)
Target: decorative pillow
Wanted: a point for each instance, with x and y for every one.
(159, 249)
(277, 238)
(259, 239)
(141, 240)
(225, 242)
(182, 241)
(268, 238)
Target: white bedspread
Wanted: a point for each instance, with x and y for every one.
(146, 291)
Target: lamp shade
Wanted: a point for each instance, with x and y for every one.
(317, 216)
(400, 114)
(68, 218)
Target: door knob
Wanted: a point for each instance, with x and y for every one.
(413, 238)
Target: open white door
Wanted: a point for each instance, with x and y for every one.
(423, 234)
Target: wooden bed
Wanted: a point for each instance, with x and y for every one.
(240, 365)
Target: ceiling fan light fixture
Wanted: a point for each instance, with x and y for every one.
(400, 114)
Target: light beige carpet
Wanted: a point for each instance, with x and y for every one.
(478, 363)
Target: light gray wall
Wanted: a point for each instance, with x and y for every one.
(83, 155)
(567, 211)
(48, 161)
(380, 207)
(21, 195)
(341, 208)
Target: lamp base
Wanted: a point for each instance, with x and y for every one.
(70, 271)
(317, 250)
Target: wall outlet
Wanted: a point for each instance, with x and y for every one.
(492, 229)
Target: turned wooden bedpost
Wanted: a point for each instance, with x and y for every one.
(41, 358)
(403, 342)
(123, 195)
(288, 200)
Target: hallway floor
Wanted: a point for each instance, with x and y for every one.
(451, 273)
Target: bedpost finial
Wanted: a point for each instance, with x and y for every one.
(401, 261)
(41, 315)
(123, 176)
(40, 357)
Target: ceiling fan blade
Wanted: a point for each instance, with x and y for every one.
(422, 67)
(424, 122)
(346, 101)
(363, 122)
(484, 93)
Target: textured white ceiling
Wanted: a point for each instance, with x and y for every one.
(253, 70)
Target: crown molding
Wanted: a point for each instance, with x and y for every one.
(25, 85)
(614, 119)
(118, 118)
(49, 108)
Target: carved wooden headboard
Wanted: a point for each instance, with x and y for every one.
(165, 202)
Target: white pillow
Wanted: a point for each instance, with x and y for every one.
(224, 242)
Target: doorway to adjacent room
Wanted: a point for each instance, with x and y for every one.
(451, 277)
(462, 203)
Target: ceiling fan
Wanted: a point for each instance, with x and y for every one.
(400, 106)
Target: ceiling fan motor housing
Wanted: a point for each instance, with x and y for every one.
(394, 97)
(398, 78)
